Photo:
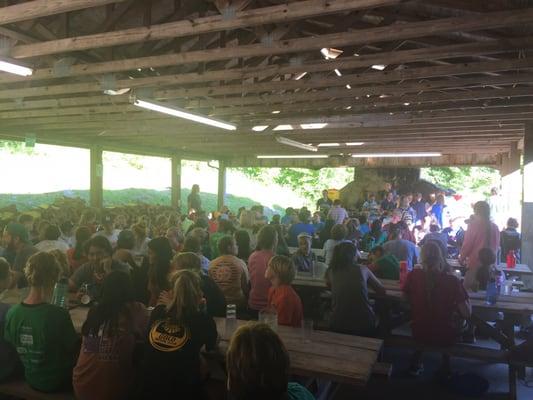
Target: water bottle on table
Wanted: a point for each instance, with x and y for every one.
(231, 319)
(492, 292)
(59, 297)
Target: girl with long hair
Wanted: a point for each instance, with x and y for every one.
(352, 312)
(177, 332)
(160, 267)
(105, 367)
(436, 297)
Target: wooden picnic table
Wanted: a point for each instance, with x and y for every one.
(519, 269)
(328, 355)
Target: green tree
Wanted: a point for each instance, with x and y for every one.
(461, 179)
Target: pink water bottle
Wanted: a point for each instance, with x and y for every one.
(511, 259)
(403, 273)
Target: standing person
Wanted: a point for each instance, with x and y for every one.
(481, 233)
(108, 230)
(246, 223)
(495, 205)
(66, 234)
(437, 210)
(159, 257)
(178, 331)
(337, 213)
(105, 367)
(303, 226)
(76, 256)
(43, 334)
(16, 242)
(194, 202)
(407, 212)
(281, 296)
(324, 203)
(267, 241)
(420, 207)
(242, 239)
(141, 240)
(225, 228)
(338, 235)
(435, 298)
(259, 366)
(403, 250)
(510, 240)
(230, 273)
(304, 258)
(352, 312)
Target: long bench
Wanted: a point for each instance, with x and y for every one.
(22, 390)
(466, 351)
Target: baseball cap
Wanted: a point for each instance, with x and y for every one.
(18, 230)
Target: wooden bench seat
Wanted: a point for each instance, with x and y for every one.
(22, 390)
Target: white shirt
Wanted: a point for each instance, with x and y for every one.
(49, 245)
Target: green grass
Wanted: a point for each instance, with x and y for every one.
(113, 198)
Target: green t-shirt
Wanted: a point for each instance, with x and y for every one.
(296, 391)
(388, 267)
(215, 237)
(46, 342)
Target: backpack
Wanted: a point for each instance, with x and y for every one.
(368, 242)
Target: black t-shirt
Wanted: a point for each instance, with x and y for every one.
(171, 364)
(216, 302)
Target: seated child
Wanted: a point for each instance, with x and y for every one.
(281, 295)
(258, 366)
(384, 266)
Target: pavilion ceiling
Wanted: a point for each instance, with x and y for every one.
(446, 76)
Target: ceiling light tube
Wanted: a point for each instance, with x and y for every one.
(316, 125)
(294, 143)
(259, 128)
(394, 155)
(379, 67)
(328, 145)
(295, 156)
(354, 143)
(300, 76)
(180, 113)
(337, 72)
(12, 68)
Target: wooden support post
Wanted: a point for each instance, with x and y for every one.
(221, 194)
(511, 186)
(527, 205)
(175, 187)
(97, 174)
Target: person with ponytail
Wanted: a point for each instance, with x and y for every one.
(437, 298)
(481, 233)
(105, 367)
(160, 267)
(178, 331)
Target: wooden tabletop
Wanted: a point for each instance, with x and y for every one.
(333, 356)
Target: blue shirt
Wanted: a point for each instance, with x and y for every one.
(403, 250)
(298, 228)
(437, 210)
(420, 209)
(364, 229)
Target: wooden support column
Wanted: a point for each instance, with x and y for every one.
(527, 205)
(97, 174)
(175, 187)
(511, 186)
(221, 194)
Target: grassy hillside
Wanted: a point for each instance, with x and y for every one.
(124, 197)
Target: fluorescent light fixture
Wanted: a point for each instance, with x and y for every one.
(118, 92)
(379, 67)
(13, 68)
(296, 156)
(283, 128)
(337, 72)
(331, 53)
(180, 113)
(348, 107)
(354, 143)
(356, 54)
(394, 155)
(300, 76)
(294, 143)
(276, 112)
(348, 86)
(328, 145)
(406, 103)
(259, 128)
(314, 126)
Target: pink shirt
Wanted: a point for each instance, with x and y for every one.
(257, 265)
(476, 239)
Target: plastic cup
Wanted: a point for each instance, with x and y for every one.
(307, 330)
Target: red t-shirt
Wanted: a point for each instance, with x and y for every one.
(287, 304)
(433, 317)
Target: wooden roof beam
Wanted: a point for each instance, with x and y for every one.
(258, 16)
(42, 8)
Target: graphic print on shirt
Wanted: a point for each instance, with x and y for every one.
(166, 335)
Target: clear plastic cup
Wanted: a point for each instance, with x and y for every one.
(307, 330)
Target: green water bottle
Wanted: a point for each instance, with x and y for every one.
(59, 298)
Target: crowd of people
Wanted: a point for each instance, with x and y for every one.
(155, 279)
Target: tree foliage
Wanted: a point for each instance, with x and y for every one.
(463, 179)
